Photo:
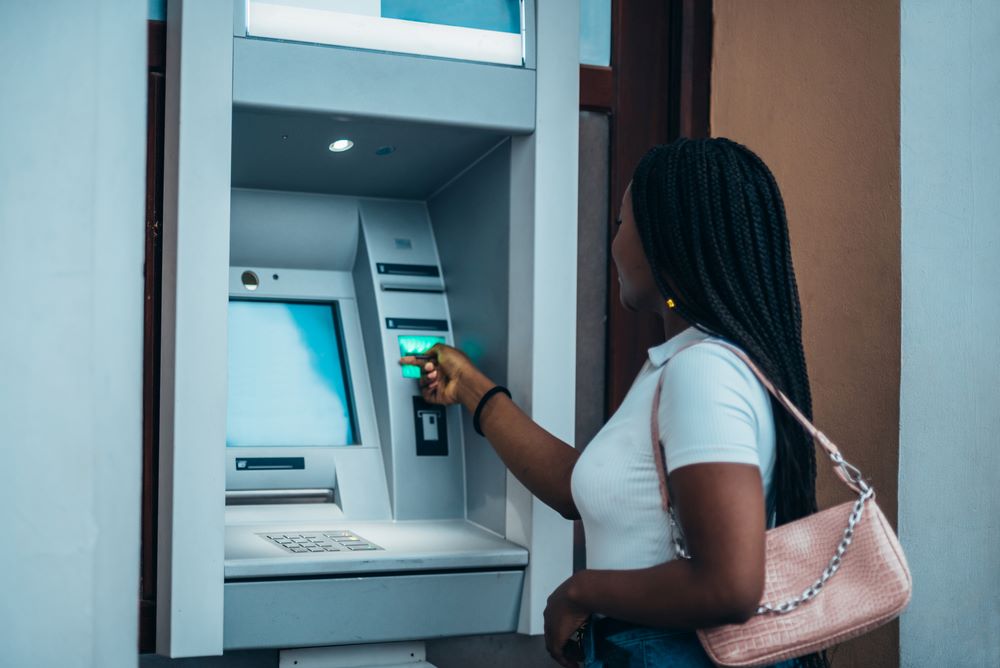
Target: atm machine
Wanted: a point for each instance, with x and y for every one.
(309, 496)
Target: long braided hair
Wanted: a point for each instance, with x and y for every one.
(713, 227)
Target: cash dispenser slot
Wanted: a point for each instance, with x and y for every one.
(239, 497)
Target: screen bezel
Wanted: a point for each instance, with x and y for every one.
(288, 285)
(338, 326)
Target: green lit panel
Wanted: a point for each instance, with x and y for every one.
(410, 371)
(416, 345)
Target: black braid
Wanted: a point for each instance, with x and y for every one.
(712, 224)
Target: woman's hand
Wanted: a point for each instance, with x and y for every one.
(542, 462)
(448, 376)
(563, 616)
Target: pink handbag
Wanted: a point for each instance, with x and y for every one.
(805, 608)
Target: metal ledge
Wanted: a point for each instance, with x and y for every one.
(352, 83)
(315, 612)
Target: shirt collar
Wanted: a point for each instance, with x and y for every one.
(659, 355)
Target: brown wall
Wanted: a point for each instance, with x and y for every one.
(813, 87)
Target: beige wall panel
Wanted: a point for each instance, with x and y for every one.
(813, 87)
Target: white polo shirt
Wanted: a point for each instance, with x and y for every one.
(713, 409)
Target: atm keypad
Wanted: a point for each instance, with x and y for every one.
(324, 541)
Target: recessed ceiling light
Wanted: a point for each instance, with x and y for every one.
(341, 145)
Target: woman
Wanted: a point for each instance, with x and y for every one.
(703, 243)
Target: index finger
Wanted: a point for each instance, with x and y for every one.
(415, 360)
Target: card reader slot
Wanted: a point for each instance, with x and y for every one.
(243, 497)
(401, 287)
(392, 269)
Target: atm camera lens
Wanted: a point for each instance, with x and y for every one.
(250, 280)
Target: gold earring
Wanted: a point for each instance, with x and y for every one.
(671, 303)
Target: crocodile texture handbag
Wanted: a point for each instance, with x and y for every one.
(824, 583)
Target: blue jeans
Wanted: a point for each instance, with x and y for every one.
(609, 643)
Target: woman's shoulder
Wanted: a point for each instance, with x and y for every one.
(710, 353)
(712, 408)
(712, 362)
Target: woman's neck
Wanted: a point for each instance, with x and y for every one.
(673, 324)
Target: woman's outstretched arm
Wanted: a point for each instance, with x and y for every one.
(542, 462)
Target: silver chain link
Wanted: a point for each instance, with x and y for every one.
(867, 492)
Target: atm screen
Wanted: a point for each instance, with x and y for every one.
(288, 383)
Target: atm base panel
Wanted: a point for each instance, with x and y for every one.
(351, 610)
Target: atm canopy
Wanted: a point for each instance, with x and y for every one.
(415, 122)
(277, 149)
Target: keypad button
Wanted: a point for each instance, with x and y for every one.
(337, 540)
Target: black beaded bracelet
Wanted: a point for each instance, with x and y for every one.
(496, 389)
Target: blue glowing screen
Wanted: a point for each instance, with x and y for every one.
(287, 375)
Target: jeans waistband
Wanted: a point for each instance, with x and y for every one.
(603, 627)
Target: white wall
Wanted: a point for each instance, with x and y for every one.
(72, 147)
(949, 503)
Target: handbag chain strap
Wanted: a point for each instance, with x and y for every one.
(847, 472)
(812, 590)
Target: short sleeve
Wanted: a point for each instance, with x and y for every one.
(707, 409)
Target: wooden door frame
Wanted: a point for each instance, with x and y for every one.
(656, 90)
(157, 57)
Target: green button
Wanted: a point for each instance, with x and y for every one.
(416, 345)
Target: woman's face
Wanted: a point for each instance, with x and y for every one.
(638, 288)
